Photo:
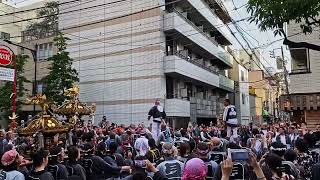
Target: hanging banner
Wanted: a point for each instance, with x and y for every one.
(5, 56)
(6, 74)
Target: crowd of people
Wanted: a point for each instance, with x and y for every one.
(222, 151)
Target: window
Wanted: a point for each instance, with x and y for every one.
(44, 51)
(41, 87)
(4, 36)
(243, 98)
(22, 51)
(242, 75)
(300, 60)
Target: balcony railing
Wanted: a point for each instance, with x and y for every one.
(183, 55)
(226, 83)
(184, 16)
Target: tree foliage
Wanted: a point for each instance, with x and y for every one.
(48, 21)
(7, 89)
(273, 14)
(62, 76)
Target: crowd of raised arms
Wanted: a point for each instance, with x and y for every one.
(198, 152)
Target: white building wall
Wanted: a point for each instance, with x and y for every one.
(244, 93)
(119, 60)
(309, 82)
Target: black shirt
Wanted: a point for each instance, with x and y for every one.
(42, 175)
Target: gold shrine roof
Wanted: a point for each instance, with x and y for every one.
(46, 124)
(74, 106)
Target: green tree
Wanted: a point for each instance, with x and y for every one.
(48, 21)
(62, 76)
(273, 14)
(7, 89)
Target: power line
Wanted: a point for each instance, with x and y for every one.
(97, 40)
(33, 9)
(261, 55)
(125, 44)
(216, 26)
(28, 19)
(239, 28)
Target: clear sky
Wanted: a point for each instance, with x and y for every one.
(237, 10)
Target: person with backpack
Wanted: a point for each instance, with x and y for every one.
(153, 155)
(184, 152)
(279, 149)
(113, 154)
(165, 135)
(170, 167)
(76, 171)
(274, 163)
(10, 162)
(98, 169)
(202, 153)
(57, 169)
(40, 162)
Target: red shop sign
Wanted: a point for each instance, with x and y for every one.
(5, 56)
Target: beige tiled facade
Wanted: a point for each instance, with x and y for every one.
(120, 51)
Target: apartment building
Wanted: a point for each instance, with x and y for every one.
(130, 53)
(304, 99)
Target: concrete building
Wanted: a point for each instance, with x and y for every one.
(15, 26)
(304, 98)
(241, 95)
(42, 43)
(251, 63)
(265, 91)
(129, 53)
(10, 30)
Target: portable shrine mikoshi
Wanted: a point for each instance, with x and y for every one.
(73, 109)
(45, 126)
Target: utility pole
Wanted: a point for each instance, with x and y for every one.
(285, 72)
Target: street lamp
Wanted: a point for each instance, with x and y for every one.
(34, 55)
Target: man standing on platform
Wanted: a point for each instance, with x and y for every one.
(230, 119)
(158, 114)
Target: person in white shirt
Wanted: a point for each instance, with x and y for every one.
(230, 119)
(205, 135)
(141, 145)
(283, 138)
(292, 135)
